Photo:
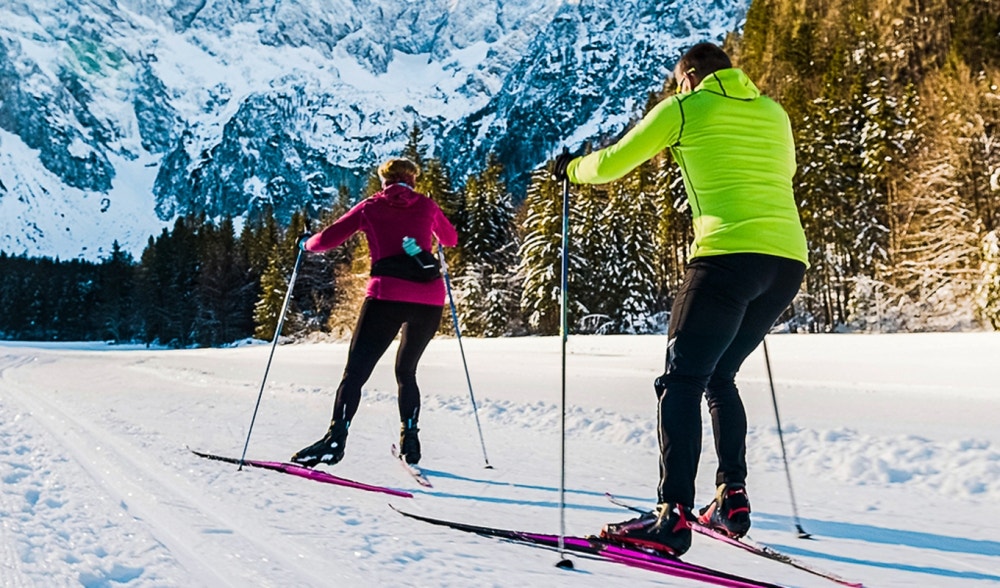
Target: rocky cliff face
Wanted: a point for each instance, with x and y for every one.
(54, 119)
(115, 116)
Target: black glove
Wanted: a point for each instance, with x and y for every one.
(302, 240)
(560, 165)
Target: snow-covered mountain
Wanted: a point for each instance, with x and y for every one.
(118, 115)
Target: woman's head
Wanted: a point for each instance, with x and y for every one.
(398, 171)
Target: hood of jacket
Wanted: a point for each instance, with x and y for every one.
(397, 195)
(731, 83)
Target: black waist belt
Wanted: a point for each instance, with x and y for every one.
(422, 267)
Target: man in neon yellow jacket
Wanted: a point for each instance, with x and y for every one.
(735, 150)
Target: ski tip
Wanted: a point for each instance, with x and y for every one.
(565, 564)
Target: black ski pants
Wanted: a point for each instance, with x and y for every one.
(378, 324)
(725, 307)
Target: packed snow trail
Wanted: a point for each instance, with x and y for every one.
(172, 510)
(98, 488)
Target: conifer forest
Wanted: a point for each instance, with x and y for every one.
(896, 112)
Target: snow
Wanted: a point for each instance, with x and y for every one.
(73, 224)
(892, 441)
(43, 216)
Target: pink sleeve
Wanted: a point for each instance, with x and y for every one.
(443, 229)
(338, 232)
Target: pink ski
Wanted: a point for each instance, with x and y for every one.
(751, 546)
(308, 473)
(415, 472)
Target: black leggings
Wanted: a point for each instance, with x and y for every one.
(723, 310)
(378, 323)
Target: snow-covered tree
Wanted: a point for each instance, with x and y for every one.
(631, 266)
(415, 150)
(435, 182)
(488, 295)
(988, 289)
(540, 253)
(674, 232)
(487, 283)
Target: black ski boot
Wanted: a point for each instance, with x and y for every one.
(667, 530)
(328, 450)
(729, 511)
(409, 443)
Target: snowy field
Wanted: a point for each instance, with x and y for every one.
(893, 440)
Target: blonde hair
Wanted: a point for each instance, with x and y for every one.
(397, 170)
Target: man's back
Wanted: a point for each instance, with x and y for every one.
(737, 155)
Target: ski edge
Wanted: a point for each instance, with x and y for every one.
(751, 546)
(304, 472)
(415, 472)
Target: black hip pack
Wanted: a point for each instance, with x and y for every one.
(422, 267)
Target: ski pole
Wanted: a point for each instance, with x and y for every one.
(274, 343)
(565, 562)
(461, 349)
(781, 439)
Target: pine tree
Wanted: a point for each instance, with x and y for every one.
(591, 303)
(414, 150)
(226, 287)
(540, 253)
(257, 238)
(435, 182)
(168, 274)
(851, 147)
(489, 212)
(351, 270)
(351, 274)
(9, 291)
(674, 228)
(274, 285)
(894, 150)
(487, 284)
(937, 276)
(116, 307)
(316, 287)
(633, 257)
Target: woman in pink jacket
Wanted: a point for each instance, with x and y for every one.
(406, 291)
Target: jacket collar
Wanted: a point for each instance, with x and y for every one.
(731, 83)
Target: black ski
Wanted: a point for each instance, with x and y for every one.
(605, 550)
(749, 545)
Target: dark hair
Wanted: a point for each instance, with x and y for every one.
(705, 59)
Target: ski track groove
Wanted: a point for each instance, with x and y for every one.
(14, 497)
(11, 574)
(157, 501)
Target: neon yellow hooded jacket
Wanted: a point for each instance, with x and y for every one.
(737, 157)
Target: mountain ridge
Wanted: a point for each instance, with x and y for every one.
(117, 116)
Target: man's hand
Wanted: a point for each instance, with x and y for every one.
(560, 165)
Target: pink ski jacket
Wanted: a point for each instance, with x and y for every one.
(386, 218)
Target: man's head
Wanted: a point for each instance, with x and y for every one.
(698, 63)
(398, 171)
